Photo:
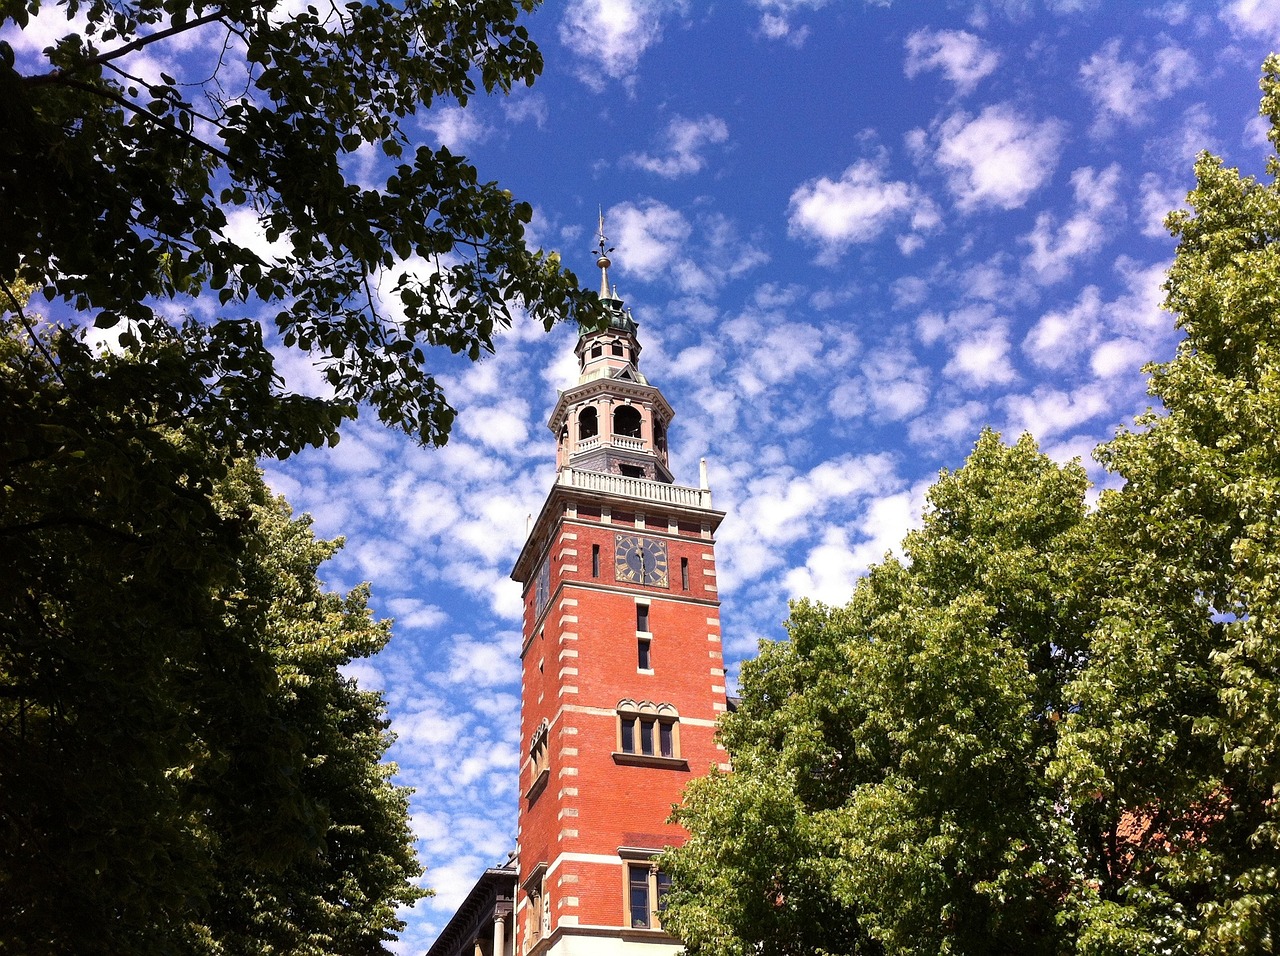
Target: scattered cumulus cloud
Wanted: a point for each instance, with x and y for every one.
(856, 208)
(610, 36)
(658, 243)
(684, 141)
(1156, 199)
(1259, 17)
(997, 158)
(1054, 248)
(962, 57)
(456, 127)
(1125, 90)
(777, 16)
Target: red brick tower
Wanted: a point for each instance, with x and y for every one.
(623, 676)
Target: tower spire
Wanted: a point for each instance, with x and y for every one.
(602, 258)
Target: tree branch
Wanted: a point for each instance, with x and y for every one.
(150, 38)
(132, 107)
(31, 331)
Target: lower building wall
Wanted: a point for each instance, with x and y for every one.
(581, 941)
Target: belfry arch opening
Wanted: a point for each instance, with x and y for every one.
(588, 423)
(626, 421)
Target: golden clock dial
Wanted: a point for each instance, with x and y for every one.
(640, 560)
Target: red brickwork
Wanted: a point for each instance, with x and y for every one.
(580, 660)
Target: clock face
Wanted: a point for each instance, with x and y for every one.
(640, 560)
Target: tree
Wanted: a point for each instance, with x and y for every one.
(1178, 728)
(1052, 730)
(118, 188)
(182, 766)
(889, 792)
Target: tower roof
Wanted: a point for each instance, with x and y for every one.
(619, 316)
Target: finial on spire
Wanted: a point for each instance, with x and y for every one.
(602, 258)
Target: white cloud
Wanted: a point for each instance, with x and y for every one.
(893, 385)
(455, 127)
(1156, 199)
(948, 426)
(776, 17)
(518, 107)
(1048, 411)
(416, 614)
(998, 158)
(684, 140)
(650, 235)
(1055, 249)
(961, 56)
(475, 663)
(1061, 335)
(981, 359)
(611, 36)
(1125, 90)
(1116, 357)
(651, 239)
(502, 426)
(1260, 17)
(856, 208)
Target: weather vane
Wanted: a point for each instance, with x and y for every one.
(602, 258)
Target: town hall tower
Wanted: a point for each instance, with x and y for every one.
(622, 671)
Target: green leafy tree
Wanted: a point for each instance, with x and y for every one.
(182, 767)
(1174, 756)
(889, 792)
(117, 191)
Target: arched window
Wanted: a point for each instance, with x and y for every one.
(659, 435)
(626, 421)
(588, 423)
(646, 729)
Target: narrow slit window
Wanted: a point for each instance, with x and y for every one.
(642, 618)
(595, 563)
(643, 662)
(684, 573)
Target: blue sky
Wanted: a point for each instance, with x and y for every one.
(853, 234)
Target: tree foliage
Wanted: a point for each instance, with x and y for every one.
(123, 185)
(1051, 729)
(890, 757)
(182, 766)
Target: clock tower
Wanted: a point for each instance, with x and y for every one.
(622, 667)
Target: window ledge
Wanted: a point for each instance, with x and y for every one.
(539, 784)
(649, 935)
(646, 760)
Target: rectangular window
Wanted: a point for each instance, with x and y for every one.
(647, 889)
(628, 736)
(642, 647)
(665, 739)
(646, 737)
(595, 562)
(684, 573)
(642, 618)
(639, 896)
